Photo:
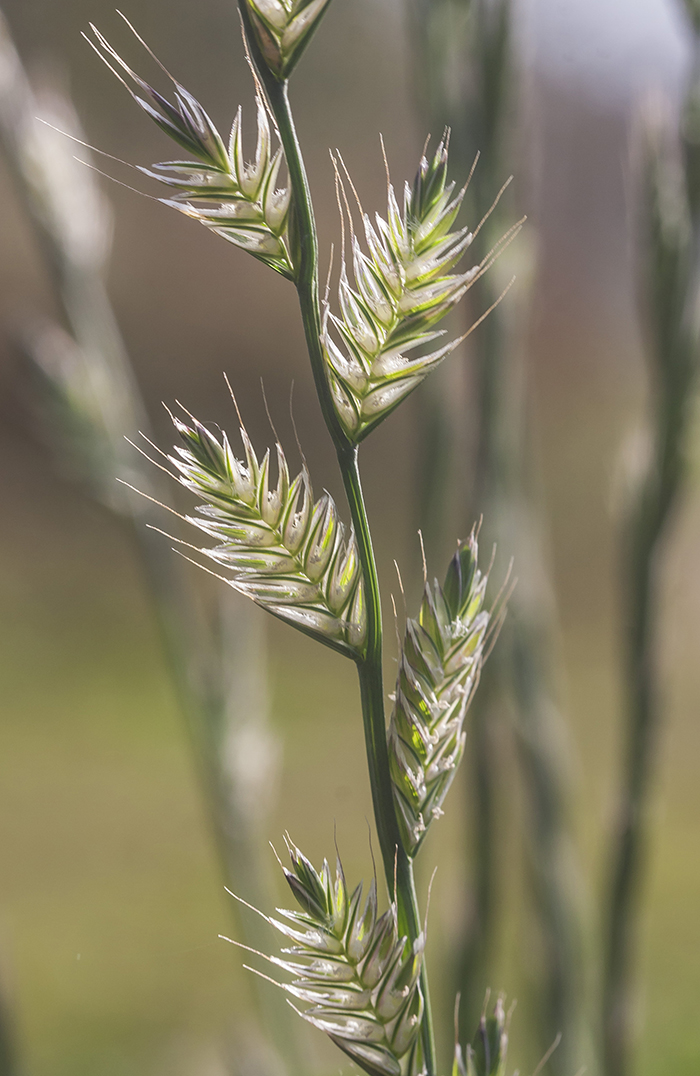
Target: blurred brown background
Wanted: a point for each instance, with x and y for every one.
(110, 901)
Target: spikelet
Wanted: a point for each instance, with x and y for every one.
(350, 965)
(287, 553)
(283, 29)
(486, 1054)
(439, 670)
(237, 200)
(402, 289)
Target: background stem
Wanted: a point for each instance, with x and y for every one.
(214, 672)
(648, 523)
(449, 37)
(670, 221)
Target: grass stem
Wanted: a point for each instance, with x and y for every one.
(397, 866)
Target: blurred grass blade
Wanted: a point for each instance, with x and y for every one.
(669, 278)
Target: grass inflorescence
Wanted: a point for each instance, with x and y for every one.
(362, 974)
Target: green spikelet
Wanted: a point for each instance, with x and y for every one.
(486, 1055)
(235, 199)
(350, 965)
(287, 553)
(403, 287)
(283, 29)
(439, 670)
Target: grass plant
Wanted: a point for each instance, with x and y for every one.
(352, 971)
(362, 974)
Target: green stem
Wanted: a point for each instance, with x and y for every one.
(643, 721)
(649, 524)
(670, 300)
(397, 865)
(306, 255)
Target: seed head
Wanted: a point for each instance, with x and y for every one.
(359, 977)
(486, 1054)
(236, 199)
(287, 553)
(439, 669)
(283, 29)
(403, 287)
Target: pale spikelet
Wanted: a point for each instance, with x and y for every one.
(403, 287)
(283, 29)
(486, 1054)
(238, 200)
(287, 553)
(350, 965)
(439, 670)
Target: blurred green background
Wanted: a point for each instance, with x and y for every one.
(111, 899)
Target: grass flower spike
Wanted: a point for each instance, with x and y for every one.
(403, 288)
(359, 976)
(237, 200)
(283, 29)
(287, 553)
(439, 670)
(363, 976)
(486, 1055)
